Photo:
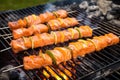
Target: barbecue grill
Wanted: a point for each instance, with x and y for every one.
(104, 64)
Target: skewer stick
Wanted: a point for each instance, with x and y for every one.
(80, 20)
(96, 28)
(5, 35)
(13, 68)
(71, 12)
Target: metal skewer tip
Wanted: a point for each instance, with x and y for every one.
(80, 20)
(13, 68)
(4, 27)
(5, 35)
(96, 28)
(71, 12)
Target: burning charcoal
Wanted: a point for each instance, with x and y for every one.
(117, 22)
(90, 14)
(109, 16)
(93, 8)
(94, 14)
(12, 74)
(116, 13)
(4, 76)
(93, 1)
(6, 67)
(116, 2)
(84, 5)
(104, 6)
(101, 17)
(97, 13)
(22, 75)
(115, 5)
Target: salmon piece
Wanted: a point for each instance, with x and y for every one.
(40, 40)
(62, 23)
(34, 29)
(17, 24)
(32, 19)
(85, 31)
(58, 35)
(83, 50)
(103, 41)
(51, 38)
(18, 45)
(66, 23)
(96, 43)
(74, 33)
(45, 17)
(62, 38)
(66, 52)
(27, 32)
(90, 47)
(72, 21)
(54, 24)
(76, 49)
(50, 16)
(112, 39)
(61, 13)
(27, 42)
(17, 33)
(47, 60)
(34, 62)
(67, 35)
(36, 42)
(47, 39)
(40, 28)
(58, 56)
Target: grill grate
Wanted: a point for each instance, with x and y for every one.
(96, 65)
(113, 76)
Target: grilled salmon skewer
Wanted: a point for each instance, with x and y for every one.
(41, 28)
(75, 49)
(34, 19)
(40, 40)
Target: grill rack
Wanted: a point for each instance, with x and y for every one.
(93, 66)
